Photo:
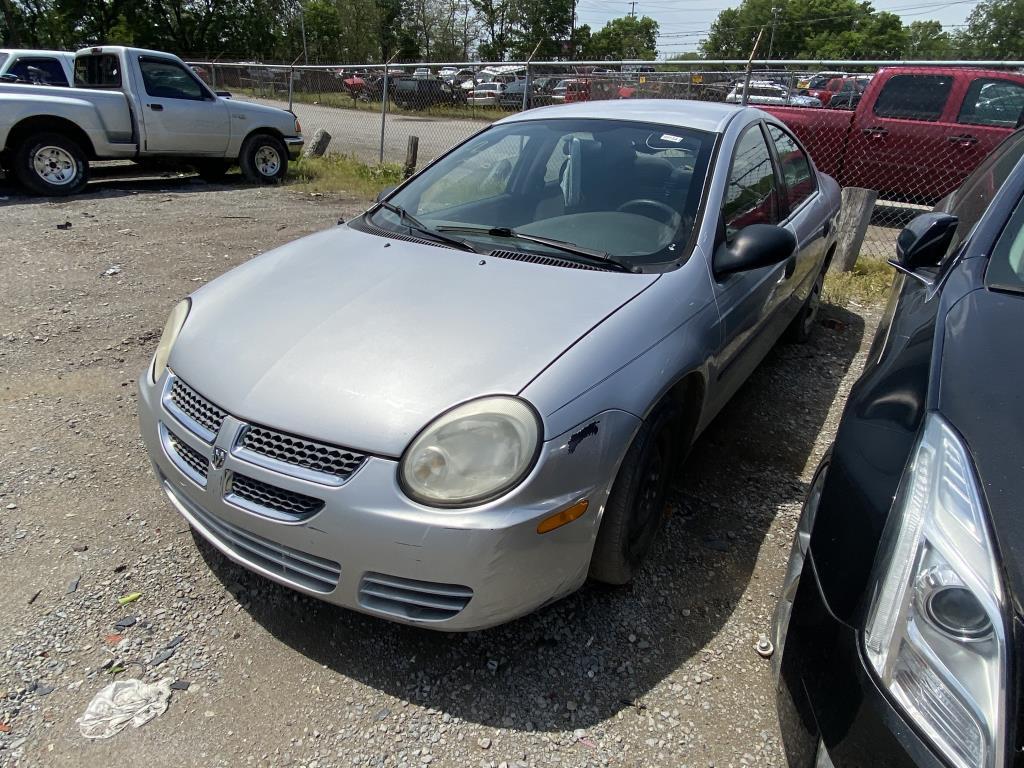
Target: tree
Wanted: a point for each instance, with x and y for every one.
(927, 40)
(995, 30)
(624, 38)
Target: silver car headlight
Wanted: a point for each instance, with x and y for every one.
(935, 635)
(168, 337)
(473, 453)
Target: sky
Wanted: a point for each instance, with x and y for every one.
(682, 22)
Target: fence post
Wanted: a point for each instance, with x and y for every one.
(410, 157)
(384, 109)
(855, 211)
(291, 86)
(750, 63)
(526, 89)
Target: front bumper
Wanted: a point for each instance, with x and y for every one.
(294, 145)
(828, 700)
(452, 570)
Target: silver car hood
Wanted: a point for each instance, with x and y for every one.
(360, 340)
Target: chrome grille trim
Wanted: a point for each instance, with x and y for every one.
(195, 412)
(292, 566)
(270, 500)
(193, 464)
(299, 456)
(411, 598)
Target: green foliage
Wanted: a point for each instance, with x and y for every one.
(345, 174)
(624, 38)
(995, 30)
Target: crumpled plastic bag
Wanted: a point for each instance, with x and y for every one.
(122, 702)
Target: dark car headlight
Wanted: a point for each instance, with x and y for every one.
(473, 453)
(935, 633)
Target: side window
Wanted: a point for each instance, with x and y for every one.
(992, 102)
(751, 195)
(39, 71)
(914, 97)
(484, 174)
(796, 168)
(169, 80)
(101, 70)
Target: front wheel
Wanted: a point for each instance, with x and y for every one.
(51, 164)
(636, 506)
(264, 159)
(802, 326)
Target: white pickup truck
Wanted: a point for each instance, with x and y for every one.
(133, 104)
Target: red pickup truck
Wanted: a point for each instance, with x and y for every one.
(916, 132)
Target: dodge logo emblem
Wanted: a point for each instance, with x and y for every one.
(218, 458)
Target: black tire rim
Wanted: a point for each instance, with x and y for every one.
(649, 502)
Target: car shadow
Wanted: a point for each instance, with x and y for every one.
(119, 181)
(751, 461)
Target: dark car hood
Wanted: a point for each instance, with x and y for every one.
(361, 340)
(981, 392)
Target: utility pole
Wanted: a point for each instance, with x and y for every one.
(632, 8)
(771, 40)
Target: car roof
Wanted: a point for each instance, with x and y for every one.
(36, 52)
(699, 115)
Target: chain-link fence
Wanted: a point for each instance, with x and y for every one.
(909, 131)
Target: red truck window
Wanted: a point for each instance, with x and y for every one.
(751, 196)
(914, 97)
(796, 168)
(992, 101)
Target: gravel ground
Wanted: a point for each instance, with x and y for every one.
(663, 673)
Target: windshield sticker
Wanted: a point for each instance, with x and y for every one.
(670, 137)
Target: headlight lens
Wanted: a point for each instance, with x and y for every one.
(935, 633)
(471, 454)
(168, 337)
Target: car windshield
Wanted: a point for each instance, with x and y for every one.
(628, 190)
(1006, 268)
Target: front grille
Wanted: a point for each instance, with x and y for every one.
(412, 599)
(286, 504)
(197, 408)
(298, 568)
(189, 455)
(302, 452)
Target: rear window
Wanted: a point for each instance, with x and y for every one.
(39, 70)
(99, 70)
(3, 58)
(914, 97)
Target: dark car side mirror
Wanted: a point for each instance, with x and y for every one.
(754, 246)
(8, 78)
(386, 192)
(923, 243)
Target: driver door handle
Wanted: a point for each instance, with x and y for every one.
(156, 107)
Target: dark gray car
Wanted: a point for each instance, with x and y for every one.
(452, 409)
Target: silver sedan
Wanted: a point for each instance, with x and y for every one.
(456, 407)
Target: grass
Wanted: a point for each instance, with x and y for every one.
(868, 283)
(343, 173)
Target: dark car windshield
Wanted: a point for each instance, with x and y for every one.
(1006, 267)
(628, 189)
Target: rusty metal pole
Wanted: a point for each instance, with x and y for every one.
(750, 63)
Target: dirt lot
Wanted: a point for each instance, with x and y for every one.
(660, 674)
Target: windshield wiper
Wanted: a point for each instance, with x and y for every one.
(604, 258)
(415, 224)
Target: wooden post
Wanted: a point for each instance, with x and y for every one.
(854, 217)
(318, 145)
(410, 157)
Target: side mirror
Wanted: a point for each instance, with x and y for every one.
(923, 242)
(223, 94)
(8, 78)
(386, 192)
(754, 246)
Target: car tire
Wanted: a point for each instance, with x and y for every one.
(802, 327)
(264, 159)
(635, 510)
(211, 170)
(51, 164)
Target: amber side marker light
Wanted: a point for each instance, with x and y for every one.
(564, 517)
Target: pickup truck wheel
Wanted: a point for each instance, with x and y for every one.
(51, 164)
(264, 159)
(636, 506)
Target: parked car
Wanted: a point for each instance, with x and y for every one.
(571, 90)
(817, 80)
(512, 96)
(602, 279)
(412, 93)
(131, 104)
(19, 65)
(422, 73)
(915, 133)
(763, 92)
(898, 630)
(835, 87)
(486, 94)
